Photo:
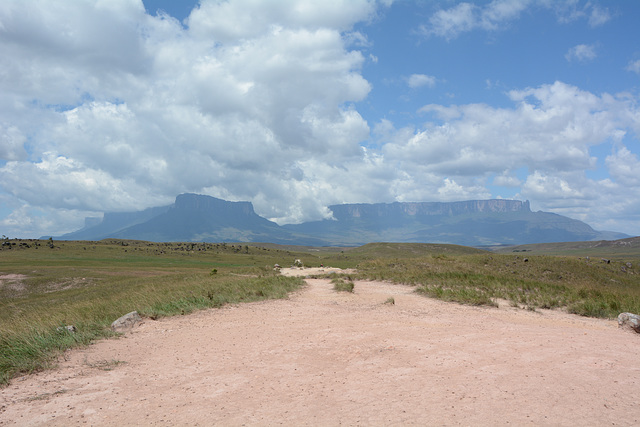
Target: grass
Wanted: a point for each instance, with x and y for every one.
(615, 249)
(340, 285)
(30, 340)
(583, 287)
(90, 284)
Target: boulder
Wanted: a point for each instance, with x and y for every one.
(629, 321)
(126, 322)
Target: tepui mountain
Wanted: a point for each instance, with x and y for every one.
(199, 218)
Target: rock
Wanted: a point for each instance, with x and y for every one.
(126, 322)
(298, 263)
(629, 321)
(68, 328)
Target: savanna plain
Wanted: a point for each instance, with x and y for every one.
(383, 334)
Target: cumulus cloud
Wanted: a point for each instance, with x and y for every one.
(230, 21)
(133, 109)
(623, 166)
(551, 127)
(550, 188)
(581, 53)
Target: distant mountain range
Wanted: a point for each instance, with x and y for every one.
(198, 218)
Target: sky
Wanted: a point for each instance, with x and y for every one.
(296, 105)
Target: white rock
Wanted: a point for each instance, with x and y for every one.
(126, 322)
(630, 321)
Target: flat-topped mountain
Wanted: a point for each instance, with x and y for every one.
(469, 223)
(200, 218)
(192, 218)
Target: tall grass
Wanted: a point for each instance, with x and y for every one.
(90, 288)
(30, 339)
(588, 288)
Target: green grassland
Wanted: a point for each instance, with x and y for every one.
(610, 249)
(578, 285)
(90, 284)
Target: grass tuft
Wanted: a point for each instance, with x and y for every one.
(340, 285)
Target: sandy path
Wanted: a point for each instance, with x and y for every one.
(323, 358)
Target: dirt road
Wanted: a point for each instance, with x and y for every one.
(327, 358)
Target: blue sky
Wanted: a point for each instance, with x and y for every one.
(296, 105)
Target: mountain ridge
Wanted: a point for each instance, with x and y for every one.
(430, 208)
(194, 217)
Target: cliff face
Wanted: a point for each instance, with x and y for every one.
(411, 209)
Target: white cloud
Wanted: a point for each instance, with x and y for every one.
(550, 188)
(498, 14)
(581, 53)
(463, 17)
(552, 127)
(132, 109)
(506, 179)
(247, 19)
(604, 204)
(12, 142)
(499, 11)
(451, 22)
(599, 16)
(60, 51)
(573, 10)
(634, 66)
(452, 191)
(418, 80)
(28, 221)
(624, 166)
(63, 183)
